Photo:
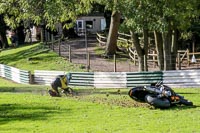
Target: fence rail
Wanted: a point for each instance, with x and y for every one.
(101, 39)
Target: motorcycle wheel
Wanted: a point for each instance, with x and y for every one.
(157, 102)
(186, 102)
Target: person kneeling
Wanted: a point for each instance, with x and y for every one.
(60, 81)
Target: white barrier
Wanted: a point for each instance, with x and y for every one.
(15, 74)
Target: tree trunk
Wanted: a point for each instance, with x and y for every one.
(111, 44)
(167, 40)
(3, 32)
(159, 49)
(20, 34)
(140, 51)
(145, 35)
(174, 48)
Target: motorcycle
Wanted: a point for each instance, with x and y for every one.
(158, 95)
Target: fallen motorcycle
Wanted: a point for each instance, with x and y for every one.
(158, 95)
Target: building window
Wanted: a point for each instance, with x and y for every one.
(89, 24)
(80, 24)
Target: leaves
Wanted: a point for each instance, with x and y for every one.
(156, 15)
(49, 12)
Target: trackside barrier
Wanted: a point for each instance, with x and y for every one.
(143, 78)
(96, 79)
(110, 79)
(44, 77)
(182, 78)
(175, 78)
(82, 79)
(14, 74)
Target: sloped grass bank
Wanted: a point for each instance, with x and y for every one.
(36, 57)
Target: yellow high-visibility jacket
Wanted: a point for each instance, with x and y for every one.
(64, 82)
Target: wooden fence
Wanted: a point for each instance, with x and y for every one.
(14, 74)
(186, 55)
(101, 39)
(182, 55)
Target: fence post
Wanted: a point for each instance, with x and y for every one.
(70, 54)
(52, 39)
(188, 58)
(179, 62)
(154, 60)
(134, 56)
(115, 69)
(41, 35)
(88, 61)
(31, 78)
(59, 45)
(129, 65)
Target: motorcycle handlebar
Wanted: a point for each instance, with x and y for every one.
(159, 83)
(152, 89)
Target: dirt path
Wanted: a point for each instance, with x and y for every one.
(79, 50)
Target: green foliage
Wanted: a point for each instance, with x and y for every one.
(157, 15)
(42, 11)
(186, 35)
(123, 44)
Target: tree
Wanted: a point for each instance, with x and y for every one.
(138, 22)
(43, 12)
(111, 44)
(172, 17)
(166, 19)
(3, 37)
(112, 6)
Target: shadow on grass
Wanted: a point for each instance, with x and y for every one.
(183, 107)
(36, 50)
(22, 89)
(16, 112)
(188, 93)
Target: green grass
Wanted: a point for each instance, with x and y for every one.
(36, 57)
(94, 112)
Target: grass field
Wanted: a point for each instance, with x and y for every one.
(91, 112)
(29, 109)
